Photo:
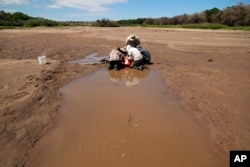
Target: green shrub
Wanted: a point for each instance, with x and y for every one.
(105, 23)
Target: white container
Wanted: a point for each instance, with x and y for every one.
(42, 59)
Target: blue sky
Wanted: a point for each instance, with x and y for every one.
(91, 10)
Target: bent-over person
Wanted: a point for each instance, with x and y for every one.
(116, 57)
(136, 56)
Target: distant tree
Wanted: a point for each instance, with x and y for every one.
(212, 14)
(183, 19)
(105, 23)
(180, 19)
(232, 16)
(197, 18)
(5, 16)
(21, 19)
(149, 21)
(5, 19)
(173, 20)
(19, 16)
(162, 21)
(247, 18)
(140, 21)
(236, 15)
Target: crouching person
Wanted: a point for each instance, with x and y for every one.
(135, 55)
(116, 57)
(133, 40)
(145, 53)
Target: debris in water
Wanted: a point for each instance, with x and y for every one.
(136, 125)
(129, 118)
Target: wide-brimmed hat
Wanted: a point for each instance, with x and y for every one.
(132, 37)
(122, 49)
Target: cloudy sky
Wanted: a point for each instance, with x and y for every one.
(91, 10)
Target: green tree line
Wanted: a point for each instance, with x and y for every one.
(105, 23)
(238, 15)
(19, 19)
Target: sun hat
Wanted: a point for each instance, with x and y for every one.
(132, 37)
(123, 49)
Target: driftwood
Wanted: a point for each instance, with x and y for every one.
(129, 118)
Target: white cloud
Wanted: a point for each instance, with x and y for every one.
(88, 14)
(9, 10)
(14, 2)
(88, 5)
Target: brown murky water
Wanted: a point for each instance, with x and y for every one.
(122, 118)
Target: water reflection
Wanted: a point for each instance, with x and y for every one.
(130, 76)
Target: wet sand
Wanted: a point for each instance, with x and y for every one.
(207, 70)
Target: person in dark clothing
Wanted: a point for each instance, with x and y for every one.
(145, 53)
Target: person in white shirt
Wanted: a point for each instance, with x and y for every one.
(134, 41)
(135, 55)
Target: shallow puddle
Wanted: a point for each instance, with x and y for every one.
(122, 118)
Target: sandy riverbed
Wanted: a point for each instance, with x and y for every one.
(208, 70)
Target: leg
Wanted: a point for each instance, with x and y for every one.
(146, 56)
(120, 65)
(111, 65)
(117, 65)
(138, 64)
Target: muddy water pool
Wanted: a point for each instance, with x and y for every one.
(123, 118)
